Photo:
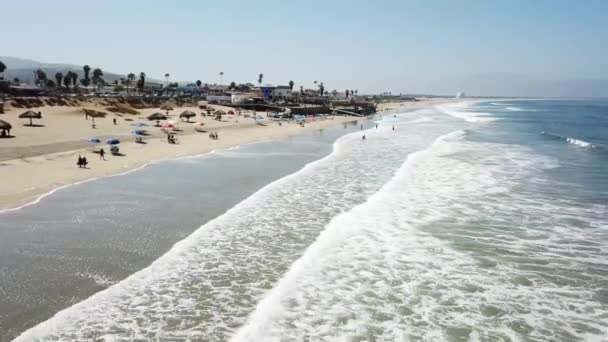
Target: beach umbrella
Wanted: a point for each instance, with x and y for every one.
(30, 114)
(113, 141)
(5, 126)
(95, 114)
(138, 132)
(94, 140)
(139, 124)
(210, 109)
(168, 125)
(157, 117)
(166, 108)
(187, 114)
(231, 112)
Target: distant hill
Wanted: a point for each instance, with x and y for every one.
(23, 69)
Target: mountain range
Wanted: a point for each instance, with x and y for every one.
(24, 69)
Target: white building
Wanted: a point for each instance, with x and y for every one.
(219, 99)
(237, 98)
(281, 91)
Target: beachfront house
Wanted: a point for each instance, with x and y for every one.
(275, 93)
(239, 98)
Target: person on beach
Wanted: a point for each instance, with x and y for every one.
(364, 137)
(393, 127)
(361, 126)
(376, 126)
(114, 121)
(84, 162)
(79, 163)
(102, 154)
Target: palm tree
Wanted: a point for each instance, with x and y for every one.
(74, 77)
(16, 80)
(356, 92)
(167, 79)
(315, 82)
(346, 93)
(67, 79)
(40, 77)
(97, 79)
(86, 80)
(2, 68)
(130, 79)
(221, 78)
(260, 79)
(198, 83)
(232, 85)
(142, 81)
(301, 90)
(291, 85)
(59, 77)
(321, 88)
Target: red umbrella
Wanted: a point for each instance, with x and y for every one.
(167, 125)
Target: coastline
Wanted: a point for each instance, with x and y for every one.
(31, 179)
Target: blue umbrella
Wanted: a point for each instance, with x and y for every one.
(139, 124)
(138, 132)
(94, 140)
(112, 141)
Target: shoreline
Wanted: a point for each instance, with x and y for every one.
(13, 199)
(30, 180)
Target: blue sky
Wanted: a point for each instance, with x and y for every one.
(372, 46)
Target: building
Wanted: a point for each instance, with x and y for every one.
(219, 99)
(282, 92)
(26, 90)
(273, 93)
(238, 98)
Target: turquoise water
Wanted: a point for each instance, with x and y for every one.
(481, 222)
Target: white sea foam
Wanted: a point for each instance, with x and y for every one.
(579, 142)
(569, 140)
(462, 110)
(380, 272)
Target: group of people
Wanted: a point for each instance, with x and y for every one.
(82, 162)
(171, 138)
(213, 136)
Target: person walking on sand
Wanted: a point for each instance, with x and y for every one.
(364, 137)
(361, 126)
(79, 163)
(376, 126)
(102, 154)
(393, 127)
(114, 121)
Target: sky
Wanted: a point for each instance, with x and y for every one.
(372, 46)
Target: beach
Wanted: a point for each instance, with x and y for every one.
(40, 159)
(451, 221)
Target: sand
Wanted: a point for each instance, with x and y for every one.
(40, 159)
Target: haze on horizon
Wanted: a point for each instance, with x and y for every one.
(518, 48)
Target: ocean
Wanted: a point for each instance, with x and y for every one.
(462, 222)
